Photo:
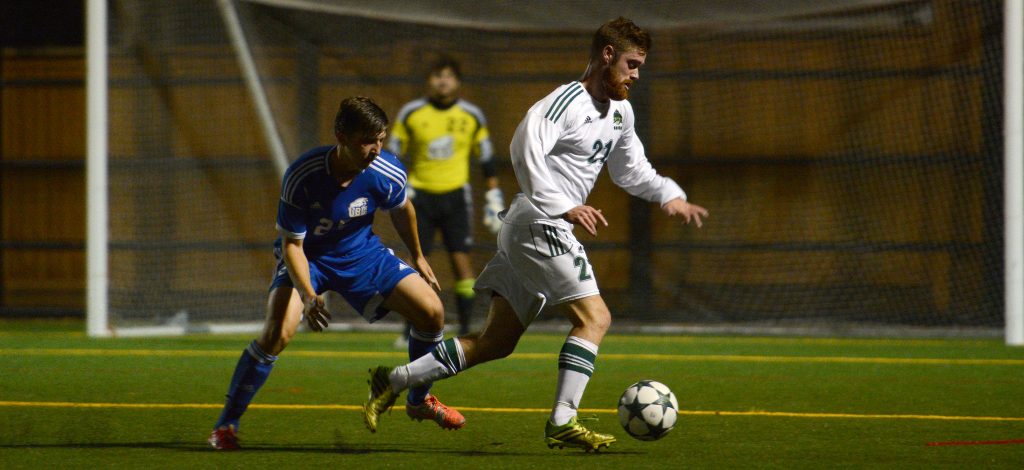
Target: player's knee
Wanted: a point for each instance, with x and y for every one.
(274, 340)
(433, 314)
(275, 337)
(600, 320)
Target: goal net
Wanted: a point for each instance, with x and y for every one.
(850, 152)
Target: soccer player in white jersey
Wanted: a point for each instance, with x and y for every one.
(557, 152)
(325, 219)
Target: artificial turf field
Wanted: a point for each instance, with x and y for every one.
(68, 401)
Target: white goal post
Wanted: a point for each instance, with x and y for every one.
(96, 169)
(1014, 170)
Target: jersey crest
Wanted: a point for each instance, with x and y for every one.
(358, 207)
(441, 148)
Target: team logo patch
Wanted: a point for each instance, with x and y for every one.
(617, 120)
(441, 148)
(358, 207)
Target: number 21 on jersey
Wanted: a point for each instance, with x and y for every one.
(601, 150)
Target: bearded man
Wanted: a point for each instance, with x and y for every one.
(557, 153)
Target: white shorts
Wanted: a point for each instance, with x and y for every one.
(538, 265)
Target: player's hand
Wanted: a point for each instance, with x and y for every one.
(681, 208)
(586, 217)
(314, 309)
(428, 274)
(495, 203)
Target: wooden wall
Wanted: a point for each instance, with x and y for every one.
(798, 144)
(42, 187)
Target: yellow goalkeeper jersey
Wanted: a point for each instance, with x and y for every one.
(437, 143)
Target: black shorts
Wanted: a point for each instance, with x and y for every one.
(448, 212)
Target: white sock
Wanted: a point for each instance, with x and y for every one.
(429, 367)
(575, 365)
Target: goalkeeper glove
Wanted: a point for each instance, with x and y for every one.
(495, 203)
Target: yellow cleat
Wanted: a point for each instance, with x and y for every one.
(573, 434)
(382, 397)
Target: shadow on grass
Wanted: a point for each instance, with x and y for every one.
(327, 449)
(202, 447)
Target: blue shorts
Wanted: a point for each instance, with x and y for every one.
(364, 283)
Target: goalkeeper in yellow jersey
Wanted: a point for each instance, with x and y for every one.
(438, 136)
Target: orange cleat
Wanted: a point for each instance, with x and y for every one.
(434, 410)
(224, 438)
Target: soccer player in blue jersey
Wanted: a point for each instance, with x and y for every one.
(325, 217)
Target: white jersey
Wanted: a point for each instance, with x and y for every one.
(560, 147)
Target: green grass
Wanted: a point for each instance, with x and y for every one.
(747, 402)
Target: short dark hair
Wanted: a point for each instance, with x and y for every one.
(360, 116)
(445, 61)
(622, 34)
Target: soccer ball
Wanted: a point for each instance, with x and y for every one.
(648, 410)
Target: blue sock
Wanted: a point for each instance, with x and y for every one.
(251, 372)
(421, 344)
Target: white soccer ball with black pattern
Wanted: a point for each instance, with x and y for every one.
(648, 410)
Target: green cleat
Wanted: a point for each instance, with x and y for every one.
(382, 396)
(573, 434)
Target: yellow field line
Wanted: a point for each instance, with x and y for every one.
(828, 359)
(783, 340)
(543, 356)
(188, 353)
(754, 413)
(332, 336)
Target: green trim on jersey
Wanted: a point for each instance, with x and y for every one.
(562, 102)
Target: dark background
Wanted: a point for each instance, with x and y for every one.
(42, 23)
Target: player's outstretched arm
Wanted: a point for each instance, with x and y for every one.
(404, 220)
(686, 210)
(314, 309)
(586, 217)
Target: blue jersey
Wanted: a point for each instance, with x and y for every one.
(336, 223)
